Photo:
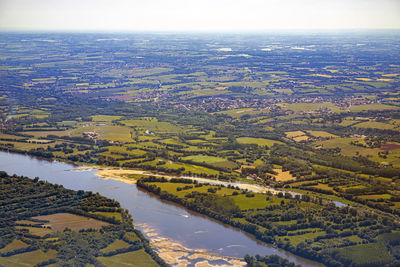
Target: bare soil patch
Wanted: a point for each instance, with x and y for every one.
(60, 221)
(388, 147)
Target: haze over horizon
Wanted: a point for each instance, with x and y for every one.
(206, 16)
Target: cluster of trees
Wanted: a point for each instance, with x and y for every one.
(337, 223)
(21, 198)
(268, 260)
(346, 177)
(355, 164)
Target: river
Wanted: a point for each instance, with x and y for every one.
(167, 220)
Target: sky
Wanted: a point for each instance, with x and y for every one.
(197, 15)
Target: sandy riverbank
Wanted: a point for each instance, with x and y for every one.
(119, 175)
(175, 254)
(122, 175)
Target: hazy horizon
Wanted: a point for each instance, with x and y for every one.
(193, 16)
(200, 32)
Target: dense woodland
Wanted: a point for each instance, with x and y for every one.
(23, 198)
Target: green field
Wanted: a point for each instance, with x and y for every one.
(306, 107)
(294, 134)
(256, 202)
(298, 238)
(187, 167)
(344, 144)
(237, 113)
(38, 134)
(348, 149)
(117, 244)
(106, 118)
(211, 160)
(376, 125)
(322, 134)
(134, 258)
(114, 151)
(67, 123)
(153, 125)
(257, 141)
(172, 188)
(107, 132)
(374, 253)
(35, 230)
(115, 215)
(131, 236)
(359, 108)
(382, 196)
(28, 259)
(347, 122)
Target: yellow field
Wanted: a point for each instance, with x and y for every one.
(300, 138)
(9, 136)
(391, 75)
(322, 75)
(364, 79)
(15, 244)
(283, 176)
(294, 134)
(322, 134)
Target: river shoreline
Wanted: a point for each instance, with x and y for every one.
(173, 224)
(174, 253)
(121, 175)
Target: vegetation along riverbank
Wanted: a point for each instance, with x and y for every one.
(44, 224)
(300, 224)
